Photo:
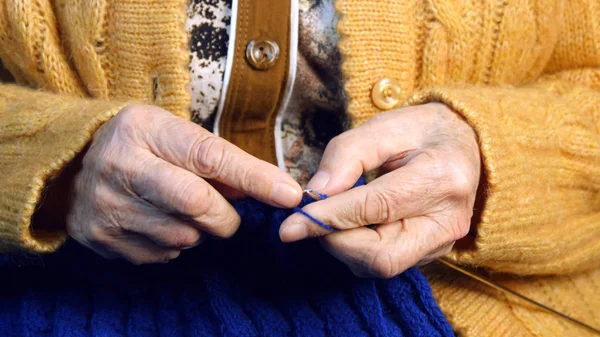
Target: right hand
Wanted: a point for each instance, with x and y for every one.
(147, 187)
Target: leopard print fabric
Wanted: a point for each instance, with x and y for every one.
(316, 110)
(208, 24)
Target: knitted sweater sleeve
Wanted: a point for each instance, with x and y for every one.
(42, 130)
(541, 153)
(40, 133)
(540, 145)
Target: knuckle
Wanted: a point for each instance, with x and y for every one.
(135, 122)
(129, 110)
(105, 153)
(378, 207)
(254, 180)
(143, 173)
(107, 161)
(133, 113)
(438, 172)
(208, 154)
(460, 184)
(452, 177)
(463, 226)
(129, 119)
(193, 199)
(383, 265)
(197, 201)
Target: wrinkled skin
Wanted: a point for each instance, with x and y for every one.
(152, 184)
(420, 206)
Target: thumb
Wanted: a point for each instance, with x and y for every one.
(361, 150)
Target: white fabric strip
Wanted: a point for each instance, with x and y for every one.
(228, 66)
(290, 85)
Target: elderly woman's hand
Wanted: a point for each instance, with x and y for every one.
(420, 206)
(146, 189)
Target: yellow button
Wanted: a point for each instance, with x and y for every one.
(262, 54)
(386, 94)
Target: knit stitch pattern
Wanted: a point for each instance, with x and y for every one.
(251, 285)
(524, 74)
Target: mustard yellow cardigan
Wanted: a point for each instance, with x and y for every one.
(524, 74)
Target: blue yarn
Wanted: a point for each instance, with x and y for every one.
(250, 285)
(315, 220)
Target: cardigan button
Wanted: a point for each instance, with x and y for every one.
(386, 94)
(262, 54)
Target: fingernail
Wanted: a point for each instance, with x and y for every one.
(284, 195)
(293, 232)
(319, 181)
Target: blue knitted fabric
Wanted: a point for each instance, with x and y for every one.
(250, 285)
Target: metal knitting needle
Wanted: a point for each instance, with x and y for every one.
(514, 293)
(309, 192)
(315, 196)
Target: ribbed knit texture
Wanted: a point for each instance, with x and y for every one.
(524, 74)
(251, 285)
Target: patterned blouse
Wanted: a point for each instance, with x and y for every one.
(314, 115)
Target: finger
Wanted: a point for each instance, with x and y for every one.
(178, 191)
(189, 146)
(385, 138)
(139, 250)
(346, 247)
(404, 193)
(130, 246)
(389, 249)
(164, 230)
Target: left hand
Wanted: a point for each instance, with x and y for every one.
(420, 206)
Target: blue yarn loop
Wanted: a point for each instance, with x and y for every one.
(312, 218)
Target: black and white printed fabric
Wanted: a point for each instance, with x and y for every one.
(315, 112)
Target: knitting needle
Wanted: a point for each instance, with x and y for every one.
(514, 293)
(316, 196)
(309, 192)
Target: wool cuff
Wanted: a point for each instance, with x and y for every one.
(541, 157)
(40, 134)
